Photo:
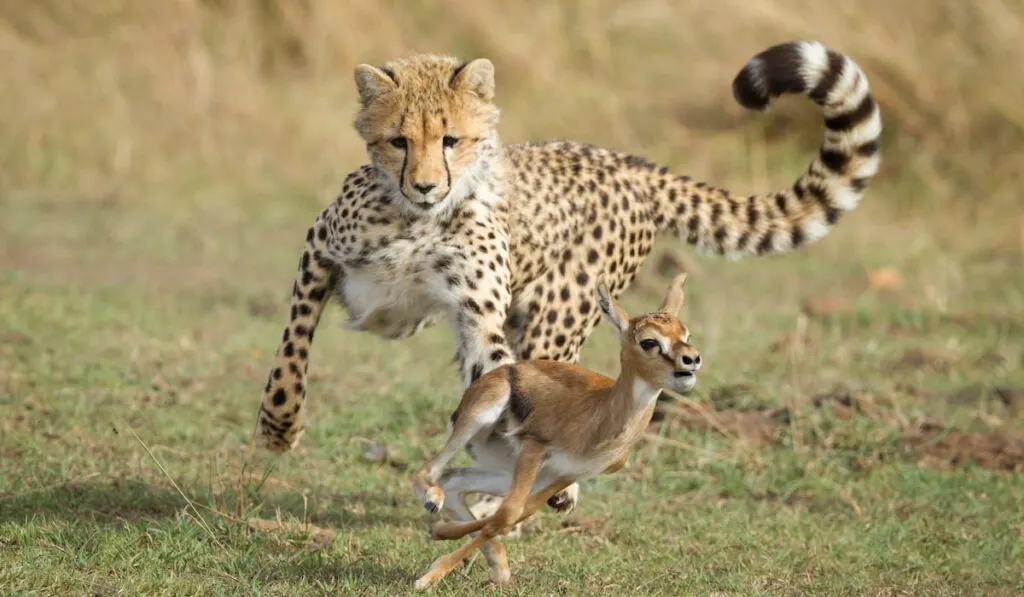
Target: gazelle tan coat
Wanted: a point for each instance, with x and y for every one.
(536, 427)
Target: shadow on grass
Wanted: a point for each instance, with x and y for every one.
(362, 572)
(112, 501)
(131, 500)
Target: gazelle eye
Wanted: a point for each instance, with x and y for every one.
(649, 344)
(449, 141)
(399, 142)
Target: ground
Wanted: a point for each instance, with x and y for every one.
(832, 490)
(857, 428)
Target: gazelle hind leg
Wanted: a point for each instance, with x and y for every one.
(446, 563)
(488, 527)
(456, 483)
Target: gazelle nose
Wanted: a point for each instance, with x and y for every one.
(424, 187)
(691, 361)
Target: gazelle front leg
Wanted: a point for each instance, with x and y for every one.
(487, 401)
(528, 464)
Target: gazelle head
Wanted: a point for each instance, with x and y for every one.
(655, 345)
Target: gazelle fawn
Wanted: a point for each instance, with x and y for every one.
(535, 427)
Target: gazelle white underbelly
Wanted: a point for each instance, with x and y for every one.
(496, 453)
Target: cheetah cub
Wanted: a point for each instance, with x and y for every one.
(536, 427)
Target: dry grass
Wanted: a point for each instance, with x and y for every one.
(205, 97)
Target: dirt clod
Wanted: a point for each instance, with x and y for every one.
(921, 359)
(1012, 397)
(582, 525)
(1000, 450)
(380, 453)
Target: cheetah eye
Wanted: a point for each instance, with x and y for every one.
(449, 141)
(399, 142)
(649, 344)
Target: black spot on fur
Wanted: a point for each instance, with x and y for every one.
(836, 63)
(859, 184)
(770, 74)
(279, 397)
(473, 306)
(849, 120)
(835, 161)
(797, 236)
(867, 149)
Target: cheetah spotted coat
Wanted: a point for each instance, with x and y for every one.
(506, 244)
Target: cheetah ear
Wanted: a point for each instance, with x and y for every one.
(673, 302)
(476, 76)
(372, 82)
(613, 313)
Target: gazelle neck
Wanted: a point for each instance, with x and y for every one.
(632, 394)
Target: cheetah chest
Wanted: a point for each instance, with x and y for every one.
(390, 292)
(401, 276)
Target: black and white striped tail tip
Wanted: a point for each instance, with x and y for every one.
(805, 67)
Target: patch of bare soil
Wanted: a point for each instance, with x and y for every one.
(927, 443)
(755, 426)
(934, 446)
(926, 360)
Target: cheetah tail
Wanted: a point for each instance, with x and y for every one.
(720, 223)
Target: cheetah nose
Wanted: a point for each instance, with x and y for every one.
(424, 187)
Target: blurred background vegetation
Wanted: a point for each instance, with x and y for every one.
(189, 99)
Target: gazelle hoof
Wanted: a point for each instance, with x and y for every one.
(423, 583)
(501, 577)
(565, 501)
(434, 500)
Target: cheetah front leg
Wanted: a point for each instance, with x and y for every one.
(479, 323)
(283, 412)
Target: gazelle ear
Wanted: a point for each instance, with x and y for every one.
(613, 313)
(372, 82)
(673, 302)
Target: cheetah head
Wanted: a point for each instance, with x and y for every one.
(430, 127)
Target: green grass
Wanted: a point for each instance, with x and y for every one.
(160, 320)
(159, 169)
